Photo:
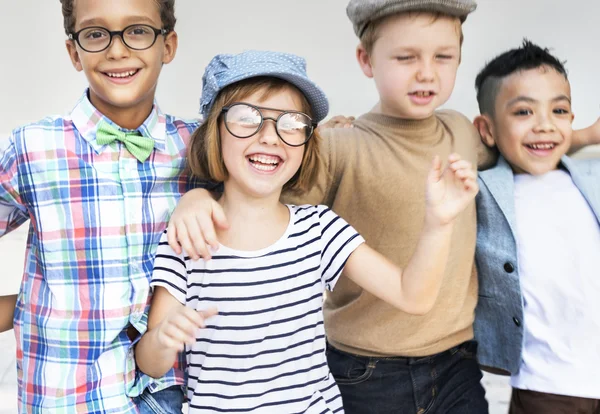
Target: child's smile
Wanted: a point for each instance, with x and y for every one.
(264, 163)
(532, 121)
(261, 164)
(121, 76)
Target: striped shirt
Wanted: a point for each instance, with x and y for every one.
(96, 218)
(265, 350)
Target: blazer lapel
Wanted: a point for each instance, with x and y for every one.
(586, 183)
(500, 181)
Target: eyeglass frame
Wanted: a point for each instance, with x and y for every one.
(112, 33)
(313, 124)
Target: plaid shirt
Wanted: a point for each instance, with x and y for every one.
(97, 215)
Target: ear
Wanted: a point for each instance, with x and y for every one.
(485, 126)
(74, 55)
(170, 48)
(364, 61)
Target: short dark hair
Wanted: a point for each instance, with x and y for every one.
(167, 14)
(528, 56)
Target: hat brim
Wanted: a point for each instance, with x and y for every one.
(315, 96)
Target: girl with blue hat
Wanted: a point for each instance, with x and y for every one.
(250, 319)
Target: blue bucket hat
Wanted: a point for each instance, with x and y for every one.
(226, 69)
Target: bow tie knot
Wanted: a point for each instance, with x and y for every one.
(140, 147)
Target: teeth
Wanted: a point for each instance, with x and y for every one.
(121, 74)
(265, 159)
(262, 167)
(423, 94)
(541, 146)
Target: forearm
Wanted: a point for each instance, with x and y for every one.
(152, 358)
(583, 137)
(424, 273)
(7, 312)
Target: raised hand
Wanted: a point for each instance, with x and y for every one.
(449, 191)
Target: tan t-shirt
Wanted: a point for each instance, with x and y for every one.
(375, 177)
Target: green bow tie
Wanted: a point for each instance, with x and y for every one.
(140, 147)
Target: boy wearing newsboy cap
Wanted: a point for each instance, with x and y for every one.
(383, 360)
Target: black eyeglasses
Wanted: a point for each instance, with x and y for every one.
(136, 37)
(244, 120)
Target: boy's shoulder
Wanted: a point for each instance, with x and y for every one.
(589, 166)
(179, 122)
(45, 127)
(457, 122)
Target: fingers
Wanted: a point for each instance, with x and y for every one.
(462, 169)
(180, 328)
(207, 313)
(218, 215)
(338, 121)
(172, 238)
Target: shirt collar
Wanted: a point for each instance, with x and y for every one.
(86, 118)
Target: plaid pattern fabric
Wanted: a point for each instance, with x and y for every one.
(97, 215)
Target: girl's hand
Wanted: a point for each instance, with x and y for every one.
(192, 225)
(180, 326)
(450, 191)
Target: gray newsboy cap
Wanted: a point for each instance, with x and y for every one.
(362, 12)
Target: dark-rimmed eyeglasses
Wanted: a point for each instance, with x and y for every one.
(244, 120)
(136, 37)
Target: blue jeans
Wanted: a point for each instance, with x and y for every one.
(445, 383)
(167, 401)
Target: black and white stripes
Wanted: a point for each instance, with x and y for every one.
(265, 350)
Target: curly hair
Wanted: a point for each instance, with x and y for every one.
(167, 14)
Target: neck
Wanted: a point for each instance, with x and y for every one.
(128, 118)
(254, 222)
(381, 109)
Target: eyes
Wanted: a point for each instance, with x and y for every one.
(438, 57)
(523, 112)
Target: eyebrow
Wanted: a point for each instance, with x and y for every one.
(527, 99)
(130, 20)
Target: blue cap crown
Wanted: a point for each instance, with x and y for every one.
(225, 69)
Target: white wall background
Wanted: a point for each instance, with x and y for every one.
(36, 77)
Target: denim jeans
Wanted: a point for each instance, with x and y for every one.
(445, 383)
(167, 401)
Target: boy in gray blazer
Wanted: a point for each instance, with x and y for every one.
(538, 239)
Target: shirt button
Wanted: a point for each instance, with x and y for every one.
(508, 267)
(517, 321)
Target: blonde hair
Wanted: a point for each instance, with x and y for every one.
(205, 159)
(371, 32)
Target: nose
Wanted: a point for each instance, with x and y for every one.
(268, 132)
(425, 72)
(117, 49)
(544, 124)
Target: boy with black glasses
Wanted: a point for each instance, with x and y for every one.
(98, 185)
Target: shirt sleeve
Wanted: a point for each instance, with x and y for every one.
(338, 241)
(12, 211)
(170, 270)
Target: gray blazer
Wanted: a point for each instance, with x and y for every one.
(499, 314)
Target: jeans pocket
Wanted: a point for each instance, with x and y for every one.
(349, 369)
